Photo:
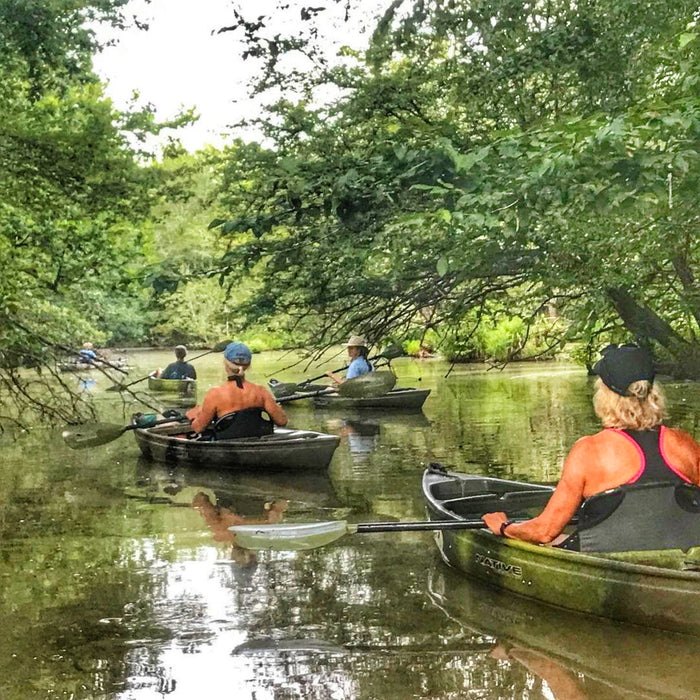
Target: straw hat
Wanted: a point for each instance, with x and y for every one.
(356, 341)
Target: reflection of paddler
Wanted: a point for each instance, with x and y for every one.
(219, 519)
(563, 684)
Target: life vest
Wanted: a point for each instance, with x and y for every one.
(659, 508)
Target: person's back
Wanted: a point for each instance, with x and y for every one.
(634, 447)
(236, 394)
(179, 369)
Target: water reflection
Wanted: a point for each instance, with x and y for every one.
(114, 586)
(577, 656)
(220, 519)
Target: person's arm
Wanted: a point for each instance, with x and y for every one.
(202, 417)
(336, 378)
(273, 409)
(192, 372)
(561, 506)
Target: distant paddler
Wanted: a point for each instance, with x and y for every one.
(87, 354)
(179, 369)
(234, 409)
(359, 364)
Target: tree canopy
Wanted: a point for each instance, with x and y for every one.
(525, 154)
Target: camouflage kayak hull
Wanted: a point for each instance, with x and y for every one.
(284, 449)
(181, 387)
(659, 589)
(399, 399)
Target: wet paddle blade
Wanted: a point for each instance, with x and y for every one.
(368, 385)
(91, 435)
(281, 389)
(291, 537)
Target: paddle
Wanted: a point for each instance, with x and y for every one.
(219, 347)
(95, 434)
(280, 389)
(301, 536)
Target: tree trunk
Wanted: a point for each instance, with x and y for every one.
(647, 325)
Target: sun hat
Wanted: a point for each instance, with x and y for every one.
(238, 353)
(622, 365)
(356, 341)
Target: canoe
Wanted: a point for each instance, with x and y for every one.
(183, 387)
(407, 399)
(656, 588)
(284, 449)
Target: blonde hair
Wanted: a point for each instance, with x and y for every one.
(643, 409)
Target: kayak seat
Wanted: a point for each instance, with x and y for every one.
(242, 424)
(639, 517)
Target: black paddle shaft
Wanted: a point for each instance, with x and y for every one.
(429, 525)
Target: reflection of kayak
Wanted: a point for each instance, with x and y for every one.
(658, 589)
(183, 387)
(614, 660)
(397, 398)
(284, 449)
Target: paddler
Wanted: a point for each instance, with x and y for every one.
(237, 394)
(634, 446)
(179, 369)
(359, 364)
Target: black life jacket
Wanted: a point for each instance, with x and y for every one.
(658, 509)
(248, 422)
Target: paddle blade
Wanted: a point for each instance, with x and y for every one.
(91, 435)
(391, 352)
(290, 537)
(368, 385)
(282, 389)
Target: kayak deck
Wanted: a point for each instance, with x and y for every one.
(658, 588)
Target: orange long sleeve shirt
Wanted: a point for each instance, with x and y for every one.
(228, 398)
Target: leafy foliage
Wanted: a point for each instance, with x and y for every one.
(479, 148)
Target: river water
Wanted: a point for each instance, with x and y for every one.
(114, 586)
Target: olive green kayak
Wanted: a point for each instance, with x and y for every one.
(399, 399)
(654, 588)
(182, 387)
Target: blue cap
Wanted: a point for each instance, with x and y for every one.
(238, 353)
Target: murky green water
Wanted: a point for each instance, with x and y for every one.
(114, 586)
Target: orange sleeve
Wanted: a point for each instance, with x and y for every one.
(206, 413)
(274, 410)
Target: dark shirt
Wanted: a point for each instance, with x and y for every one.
(179, 370)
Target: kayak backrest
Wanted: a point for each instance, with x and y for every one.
(248, 422)
(638, 517)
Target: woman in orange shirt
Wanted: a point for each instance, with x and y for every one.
(236, 394)
(634, 446)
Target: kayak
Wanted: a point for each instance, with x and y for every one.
(284, 449)
(654, 588)
(183, 387)
(408, 399)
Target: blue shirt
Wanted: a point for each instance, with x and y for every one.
(357, 368)
(87, 355)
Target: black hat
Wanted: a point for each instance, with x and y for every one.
(622, 365)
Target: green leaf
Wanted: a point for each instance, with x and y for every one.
(442, 266)
(685, 38)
